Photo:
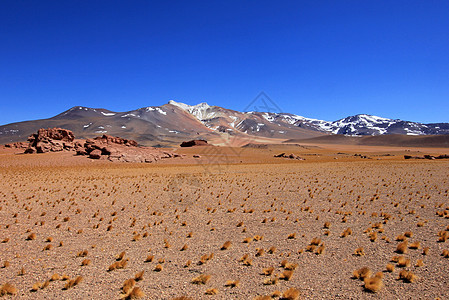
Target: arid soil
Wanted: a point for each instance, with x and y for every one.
(71, 216)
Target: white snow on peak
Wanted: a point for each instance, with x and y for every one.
(200, 111)
(155, 108)
(180, 105)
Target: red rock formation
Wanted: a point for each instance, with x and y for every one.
(104, 147)
(17, 145)
(51, 140)
(194, 143)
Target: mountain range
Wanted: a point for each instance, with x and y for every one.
(175, 122)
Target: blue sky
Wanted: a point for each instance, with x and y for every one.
(319, 59)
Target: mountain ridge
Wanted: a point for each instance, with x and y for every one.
(174, 122)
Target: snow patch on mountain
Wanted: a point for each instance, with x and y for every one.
(200, 111)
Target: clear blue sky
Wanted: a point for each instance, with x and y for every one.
(319, 59)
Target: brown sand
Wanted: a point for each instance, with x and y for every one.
(73, 200)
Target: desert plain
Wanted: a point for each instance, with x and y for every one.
(235, 223)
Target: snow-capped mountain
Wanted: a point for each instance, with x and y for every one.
(175, 121)
(361, 124)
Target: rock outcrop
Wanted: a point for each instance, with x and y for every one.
(193, 143)
(120, 149)
(442, 156)
(52, 140)
(105, 147)
(17, 145)
(290, 156)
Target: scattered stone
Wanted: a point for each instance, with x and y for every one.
(443, 156)
(290, 156)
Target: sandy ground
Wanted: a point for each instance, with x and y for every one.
(245, 196)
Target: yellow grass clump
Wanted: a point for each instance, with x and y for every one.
(407, 276)
(201, 279)
(362, 273)
(291, 294)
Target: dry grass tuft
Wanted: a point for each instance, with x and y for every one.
(55, 277)
(310, 248)
(373, 284)
(407, 276)
(205, 258)
(139, 275)
(291, 294)
(445, 253)
(73, 282)
(136, 293)
(201, 279)
(149, 258)
(290, 266)
(271, 250)
(247, 262)
(21, 272)
(320, 250)
(248, 240)
(258, 237)
(362, 273)
(31, 237)
(211, 291)
(315, 241)
(232, 283)
(86, 262)
(118, 265)
(291, 236)
(121, 255)
(188, 263)
(128, 285)
(419, 263)
(415, 245)
(347, 232)
(359, 251)
(402, 247)
(158, 268)
(48, 247)
(286, 275)
(268, 271)
(271, 280)
(403, 262)
(390, 268)
(36, 286)
(226, 245)
(82, 253)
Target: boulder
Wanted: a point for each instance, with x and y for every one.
(95, 154)
(193, 143)
(116, 140)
